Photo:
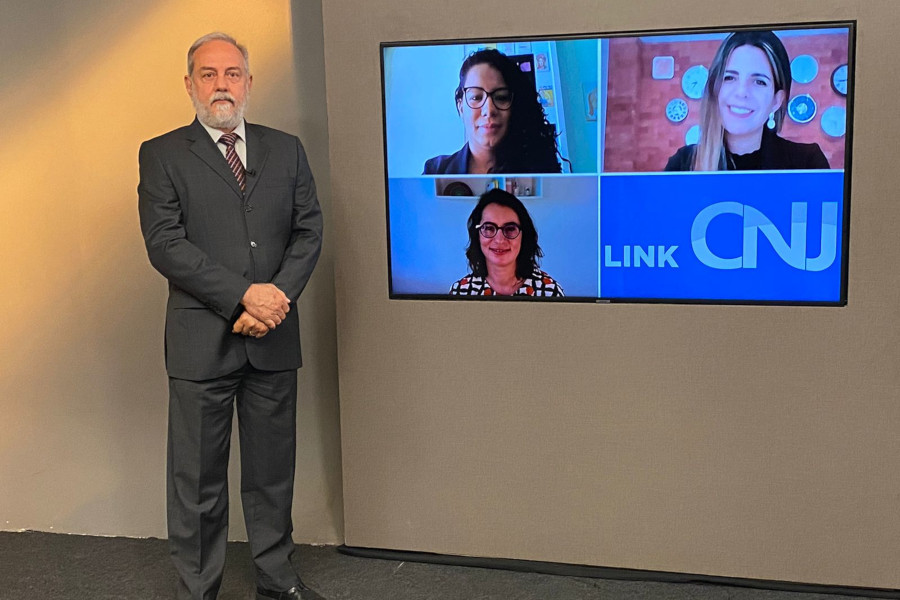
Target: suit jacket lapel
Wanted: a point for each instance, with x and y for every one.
(257, 153)
(208, 152)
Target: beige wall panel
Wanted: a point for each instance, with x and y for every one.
(83, 390)
(738, 441)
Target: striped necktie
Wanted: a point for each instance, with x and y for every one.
(234, 161)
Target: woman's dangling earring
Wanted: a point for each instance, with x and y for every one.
(771, 122)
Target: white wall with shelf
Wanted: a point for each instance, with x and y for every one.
(472, 187)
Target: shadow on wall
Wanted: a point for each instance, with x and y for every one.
(322, 393)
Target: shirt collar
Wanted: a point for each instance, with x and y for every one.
(215, 134)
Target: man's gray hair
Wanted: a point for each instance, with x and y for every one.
(216, 35)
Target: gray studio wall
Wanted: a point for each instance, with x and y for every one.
(83, 389)
(739, 441)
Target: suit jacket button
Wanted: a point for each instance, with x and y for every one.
(253, 244)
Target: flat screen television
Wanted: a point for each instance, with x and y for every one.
(702, 166)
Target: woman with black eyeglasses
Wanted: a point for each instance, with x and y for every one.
(503, 251)
(505, 125)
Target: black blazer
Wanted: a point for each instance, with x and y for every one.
(211, 242)
(458, 164)
(777, 153)
(449, 164)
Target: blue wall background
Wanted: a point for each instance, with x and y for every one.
(428, 234)
(420, 112)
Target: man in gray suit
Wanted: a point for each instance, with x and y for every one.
(230, 218)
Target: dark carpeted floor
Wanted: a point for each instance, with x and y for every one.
(39, 566)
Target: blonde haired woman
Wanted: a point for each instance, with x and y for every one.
(743, 108)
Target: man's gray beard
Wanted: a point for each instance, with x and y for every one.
(224, 119)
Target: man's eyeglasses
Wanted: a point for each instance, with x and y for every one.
(510, 230)
(476, 97)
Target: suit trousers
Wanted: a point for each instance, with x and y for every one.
(200, 415)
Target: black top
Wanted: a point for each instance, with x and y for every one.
(775, 153)
(449, 164)
(458, 164)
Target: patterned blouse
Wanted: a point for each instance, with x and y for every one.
(536, 284)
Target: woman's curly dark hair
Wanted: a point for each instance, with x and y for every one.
(529, 145)
(529, 252)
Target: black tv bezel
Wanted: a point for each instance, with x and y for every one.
(849, 24)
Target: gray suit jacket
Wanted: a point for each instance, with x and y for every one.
(211, 242)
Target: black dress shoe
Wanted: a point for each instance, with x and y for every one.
(298, 592)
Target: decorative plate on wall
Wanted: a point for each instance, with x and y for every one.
(694, 80)
(457, 188)
(676, 110)
(839, 79)
(663, 67)
(802, 108)
(692, 136)
(804, 68)
(834, 121)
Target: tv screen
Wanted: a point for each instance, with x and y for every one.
(664, 166)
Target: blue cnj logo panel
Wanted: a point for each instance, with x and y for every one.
(791, 251)
(722, 236)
